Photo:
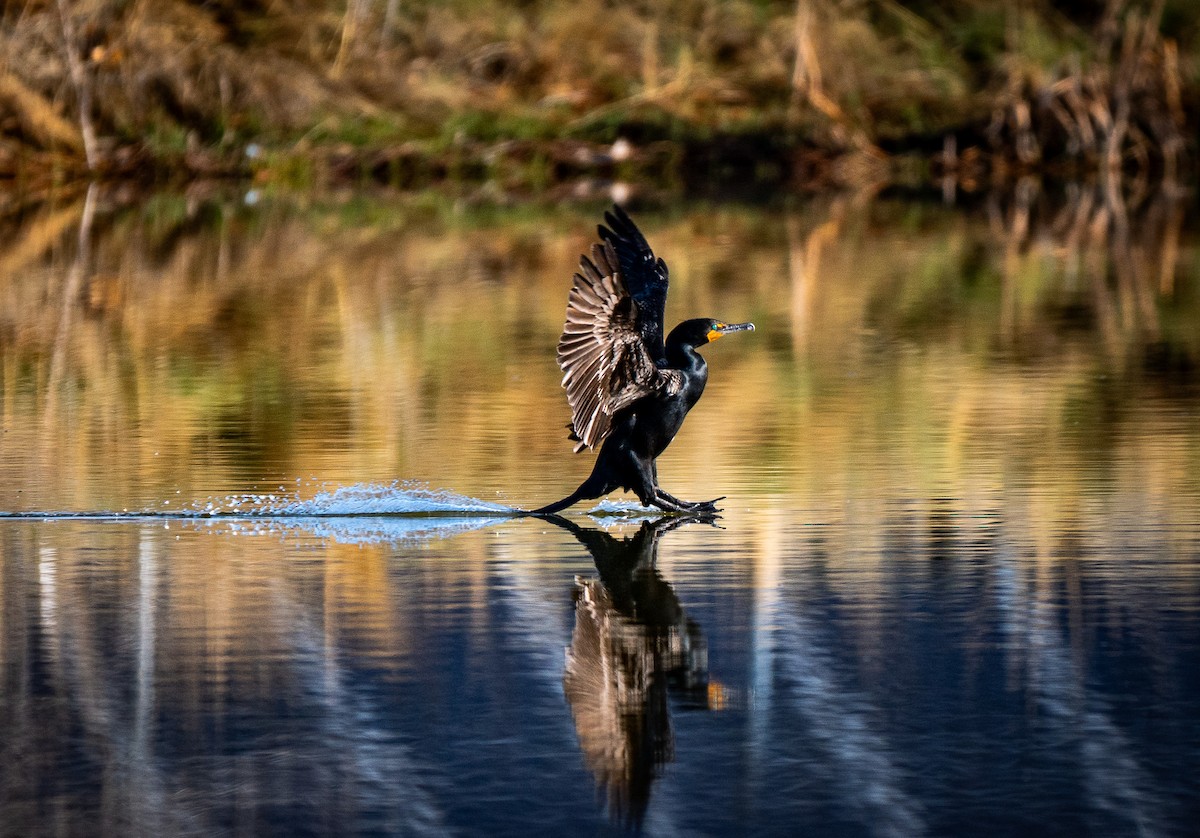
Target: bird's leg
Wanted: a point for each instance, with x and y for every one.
(676, 504)
(660, 498)
(669, 504)
(646, 486)
(685, 505)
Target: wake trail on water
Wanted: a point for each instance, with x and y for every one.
(363, 513)
(375, 499)
(393, 499)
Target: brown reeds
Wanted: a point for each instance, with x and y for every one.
(168, 86)
(1119, 113)
(81, 79)
(152, 82)
(34, 117)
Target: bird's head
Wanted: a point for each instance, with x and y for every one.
(703, 330)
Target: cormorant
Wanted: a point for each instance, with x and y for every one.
(629, 391)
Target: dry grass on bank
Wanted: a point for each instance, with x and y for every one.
(168, 83)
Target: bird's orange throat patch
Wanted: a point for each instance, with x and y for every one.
(713, 334)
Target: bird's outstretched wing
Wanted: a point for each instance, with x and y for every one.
(605, 363)
(645, 276)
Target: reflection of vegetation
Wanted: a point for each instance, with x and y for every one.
(529, 92)
(114, 666)
(210, 346)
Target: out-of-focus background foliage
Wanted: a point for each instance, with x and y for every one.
(529, 93)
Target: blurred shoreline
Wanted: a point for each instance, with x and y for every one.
(675, 96)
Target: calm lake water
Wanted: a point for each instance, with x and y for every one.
(256, 577)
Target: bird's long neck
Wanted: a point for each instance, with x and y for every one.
(683, 356)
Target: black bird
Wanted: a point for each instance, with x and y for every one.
(629, 391)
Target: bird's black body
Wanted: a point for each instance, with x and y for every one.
(629, 389)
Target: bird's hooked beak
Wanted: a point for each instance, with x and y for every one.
(722, 329)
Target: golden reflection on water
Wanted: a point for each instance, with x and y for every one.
(198, 347)
(1038, 355)
(1037, 352)
(923, 381)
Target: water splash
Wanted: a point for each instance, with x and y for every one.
(624, 510)
(356, 529)
(361, 499)
(359, 514)
(364, 513)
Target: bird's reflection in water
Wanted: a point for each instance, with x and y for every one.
(633, 648)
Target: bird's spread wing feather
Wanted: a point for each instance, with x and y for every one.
(602, 355)
(645, 276)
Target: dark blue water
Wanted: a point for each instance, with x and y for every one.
(955, 589)
(532, 676)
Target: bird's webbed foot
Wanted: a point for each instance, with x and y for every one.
(665, 500)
